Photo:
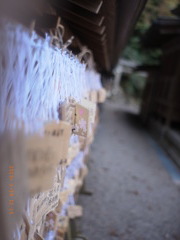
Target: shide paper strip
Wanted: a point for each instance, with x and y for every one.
(35, 78)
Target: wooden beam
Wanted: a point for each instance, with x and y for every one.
(94, 29)
(88, 34)
(77, 14)
(93, 6)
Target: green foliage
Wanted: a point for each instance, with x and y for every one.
(134, 50)
(133, 84)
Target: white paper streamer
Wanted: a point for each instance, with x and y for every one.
(93, 80)
(35, 78)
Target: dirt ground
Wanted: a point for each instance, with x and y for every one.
(134, 197)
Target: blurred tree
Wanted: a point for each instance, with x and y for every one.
(134, 83)
(134, 50)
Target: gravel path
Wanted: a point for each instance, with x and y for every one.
(134, 198)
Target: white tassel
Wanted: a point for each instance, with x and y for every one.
(36, 77)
